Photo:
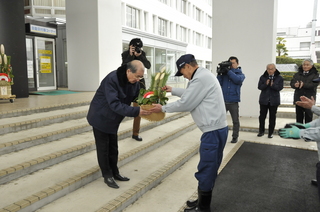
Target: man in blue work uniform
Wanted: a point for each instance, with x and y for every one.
(201, 95)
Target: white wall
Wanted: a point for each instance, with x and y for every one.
(94, 41)
(245, 29)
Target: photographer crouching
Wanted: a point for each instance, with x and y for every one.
(230, 77)
(135, 52)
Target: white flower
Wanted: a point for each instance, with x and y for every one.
(2, 49)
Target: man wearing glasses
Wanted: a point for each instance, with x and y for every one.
(110, 104)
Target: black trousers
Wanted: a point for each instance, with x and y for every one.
(303, 114)
(272, 117)
(107, 152)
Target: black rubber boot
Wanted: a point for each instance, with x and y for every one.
(318, 177)
(204, 200)
(192, 203)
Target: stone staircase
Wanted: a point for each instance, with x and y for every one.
(47, 155)
(48, 162)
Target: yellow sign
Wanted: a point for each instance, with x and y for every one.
(45, 64)
(42, 51)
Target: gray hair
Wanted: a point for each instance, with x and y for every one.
(274, 65)
(308, 60)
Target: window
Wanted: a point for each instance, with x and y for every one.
(183, 36)
(209, 21)
(208, 65)
(162, 27)
(133, 17)
(163, 1)
(198, 14)
(198, 39)
(183, 8)
(209, 43)
(304, 45)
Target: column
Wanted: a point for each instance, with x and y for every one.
(94, 41)
(12, 36)
(245, 29)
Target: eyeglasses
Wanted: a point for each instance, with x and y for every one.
(138, 77)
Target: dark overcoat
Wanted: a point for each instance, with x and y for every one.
(111, 102)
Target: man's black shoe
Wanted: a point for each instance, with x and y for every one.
(120, 178)
(260, 134)
(110, 182)
(270, 136)
(136, 137)
(234, 140)
(314, 182)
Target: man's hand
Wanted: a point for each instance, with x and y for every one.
(301, 84)
(291, 132)
(167, 88)
(299, 125)
(157, 108)
(144, 112)
(306, 102)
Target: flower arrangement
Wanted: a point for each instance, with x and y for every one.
(5, 66)
(154, 95)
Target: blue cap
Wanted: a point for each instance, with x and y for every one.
(184, 59)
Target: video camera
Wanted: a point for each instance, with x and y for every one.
(223, 67)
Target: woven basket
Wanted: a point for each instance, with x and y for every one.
(153, 116)
(5, 89)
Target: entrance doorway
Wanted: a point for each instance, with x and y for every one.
(41, 63)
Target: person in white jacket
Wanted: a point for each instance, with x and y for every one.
(204, 99)
(309, 131)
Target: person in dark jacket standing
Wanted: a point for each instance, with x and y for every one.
(270, 84)
(303, 84)
(135, 52)
(110, 104)
(231, 83)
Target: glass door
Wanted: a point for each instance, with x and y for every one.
(32, 82)
(45, 64)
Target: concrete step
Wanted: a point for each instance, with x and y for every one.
(60, 180)
(16, 124)
(146, 172)
(41, 109)
(62, 146)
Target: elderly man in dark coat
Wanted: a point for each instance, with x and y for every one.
(270, 84)
(110, 104)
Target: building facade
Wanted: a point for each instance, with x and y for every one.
(168, 29)
(298, 41)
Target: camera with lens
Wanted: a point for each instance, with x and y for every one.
(137, 44)
(223, 67)
(137, 49)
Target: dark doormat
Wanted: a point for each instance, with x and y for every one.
(53, 93)
(262, 177)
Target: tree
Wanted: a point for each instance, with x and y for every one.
(281, 47)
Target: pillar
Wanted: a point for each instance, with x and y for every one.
(245, 29)
(12, 36)
(94, 41)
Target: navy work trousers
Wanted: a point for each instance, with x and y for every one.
(211, 153)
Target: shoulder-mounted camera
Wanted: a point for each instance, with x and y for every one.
(223, 67)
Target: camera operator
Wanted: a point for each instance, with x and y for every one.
(270, 84)
(231, 80)
(135, 52)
